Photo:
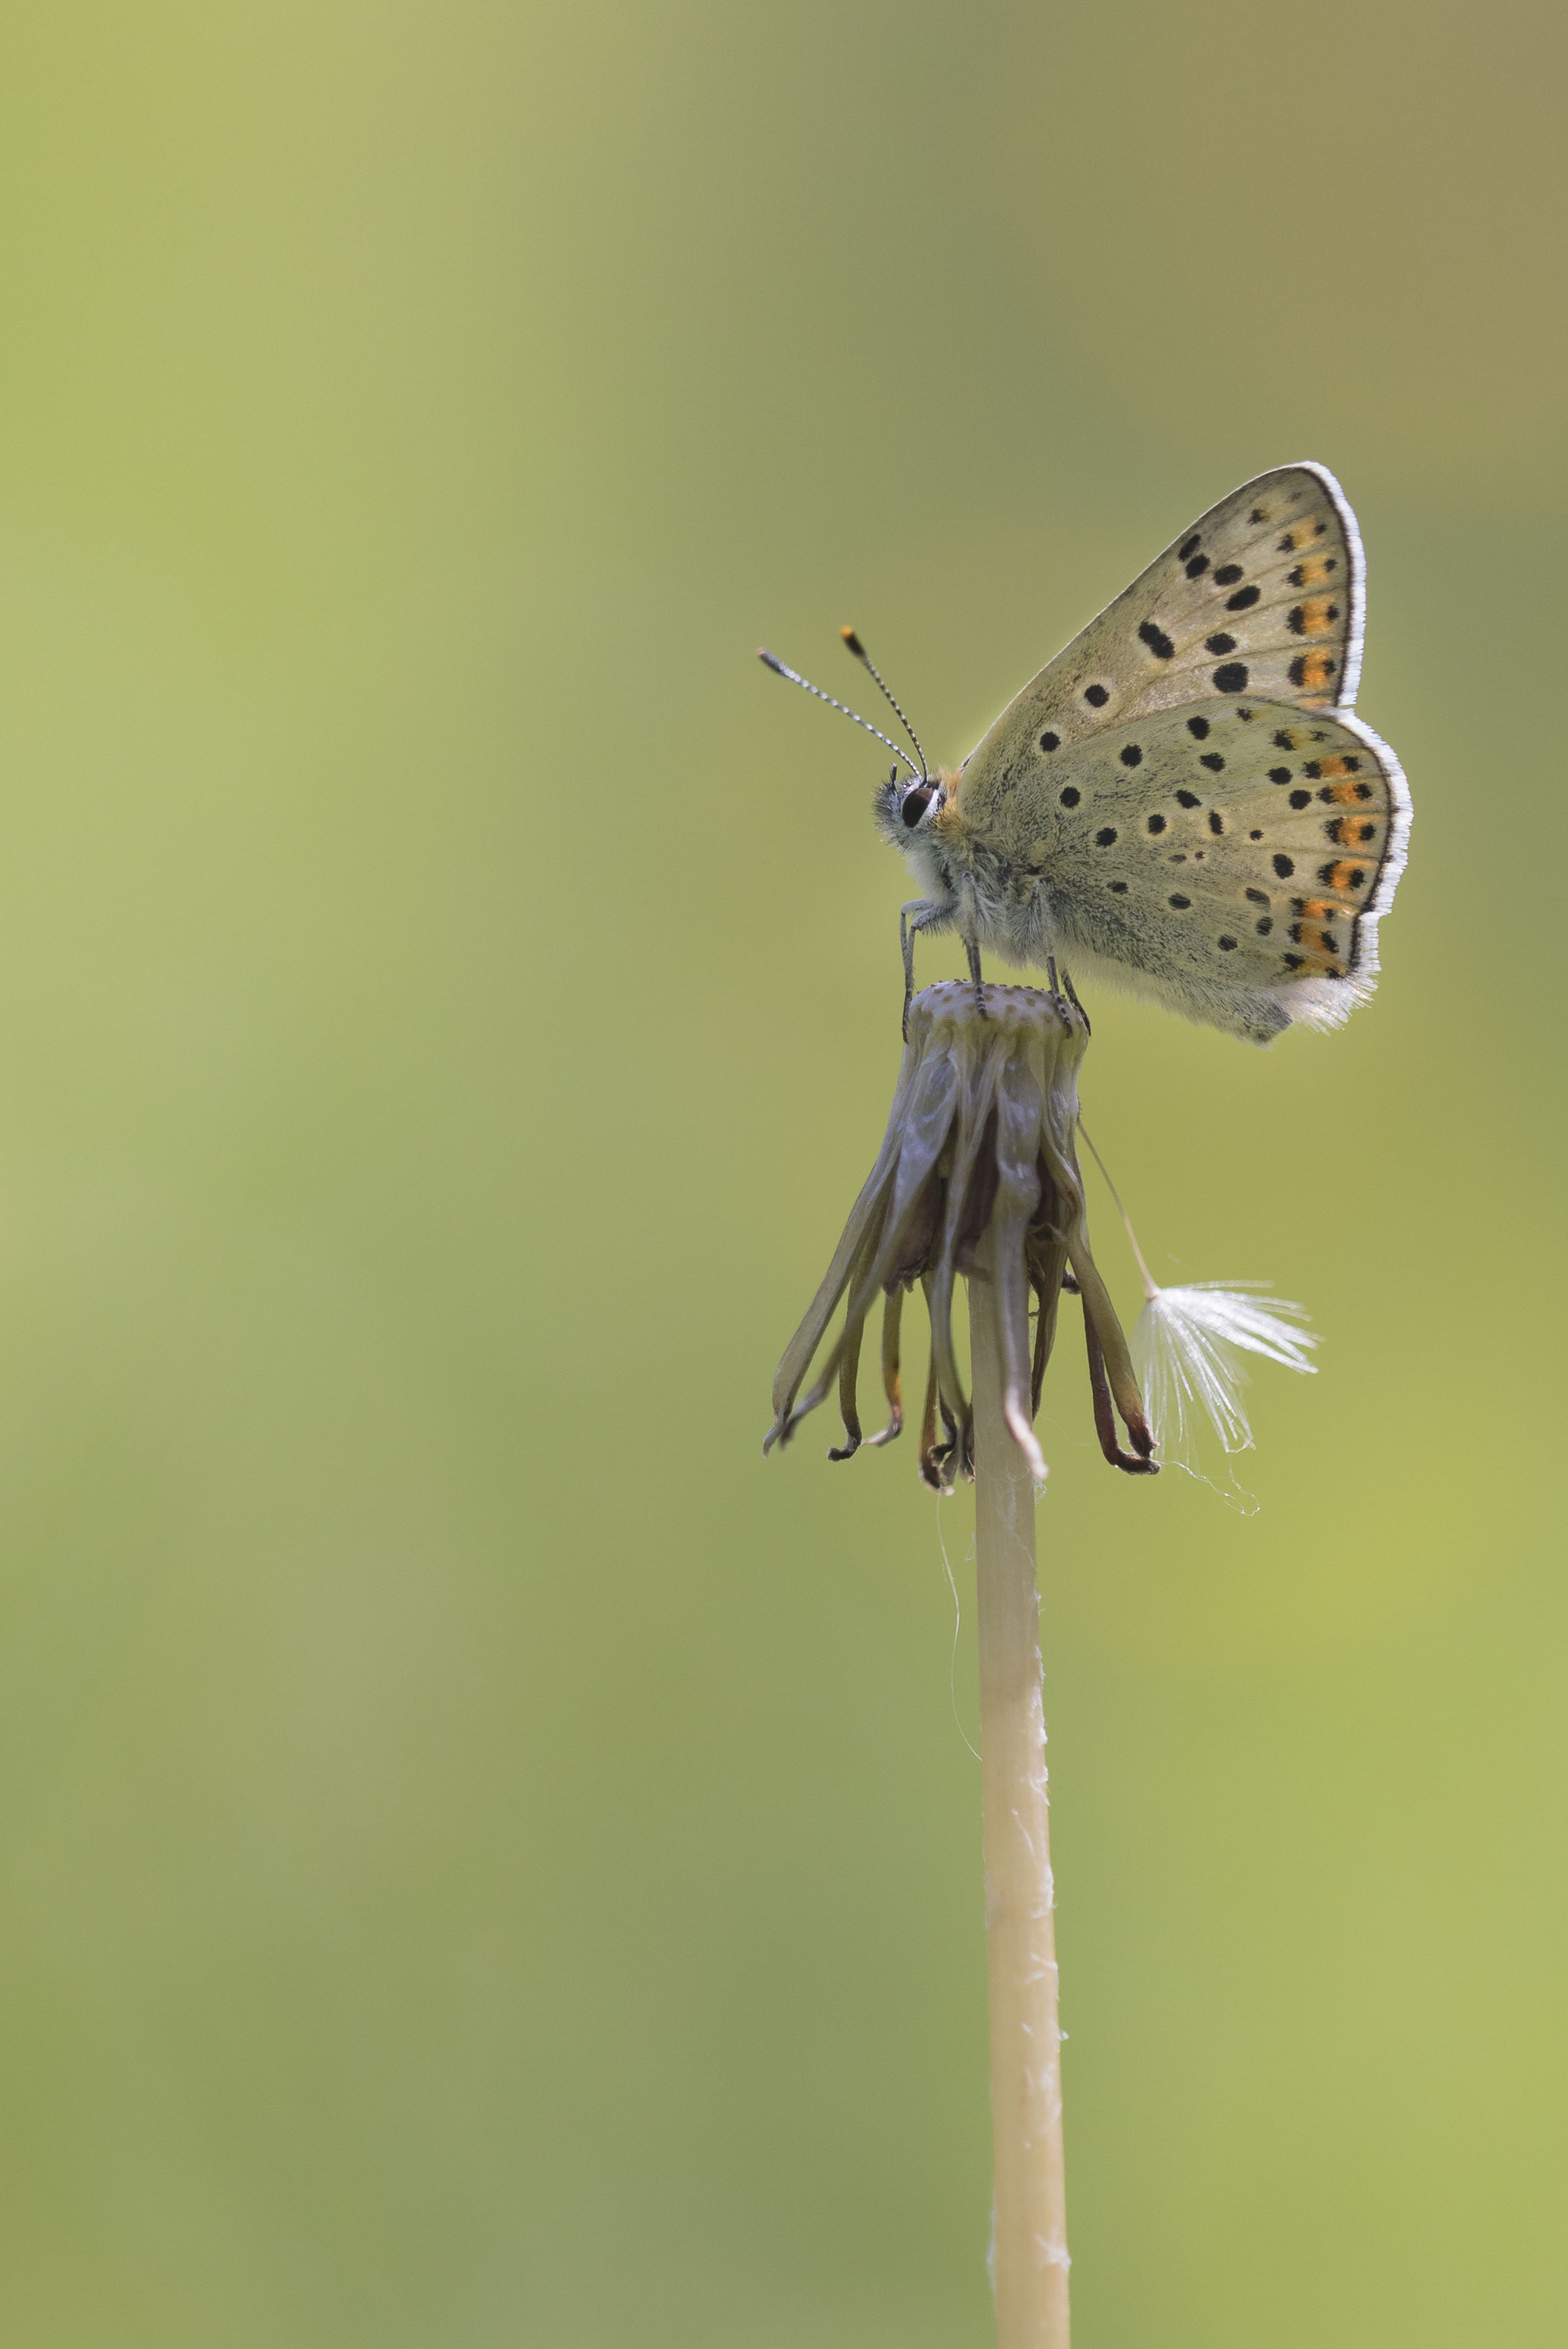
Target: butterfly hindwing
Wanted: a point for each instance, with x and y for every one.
(1231, 855)
(1264, 594)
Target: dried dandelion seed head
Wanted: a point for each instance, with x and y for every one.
(981, 1136)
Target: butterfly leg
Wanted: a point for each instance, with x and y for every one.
(906, 948)
(1072, 999)
(972, 948)
(1063, 992)
(918, 914)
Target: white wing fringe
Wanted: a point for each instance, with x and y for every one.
(1187, 1346)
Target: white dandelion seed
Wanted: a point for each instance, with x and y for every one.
(1187, 1349)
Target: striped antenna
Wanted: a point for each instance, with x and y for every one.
(771, 660)
(866, 661)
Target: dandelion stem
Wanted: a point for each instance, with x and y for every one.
(1030, 2222)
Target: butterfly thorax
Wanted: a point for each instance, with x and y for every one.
(996, 884)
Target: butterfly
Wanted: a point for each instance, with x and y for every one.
(1183, 800)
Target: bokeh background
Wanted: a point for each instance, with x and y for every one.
(487, 1859)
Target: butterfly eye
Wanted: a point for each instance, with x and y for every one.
(915, 802)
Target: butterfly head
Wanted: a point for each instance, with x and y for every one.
(908, 803)
(916, 814)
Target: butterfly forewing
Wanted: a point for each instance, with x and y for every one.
(1261, 596)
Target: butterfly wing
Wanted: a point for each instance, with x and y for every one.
(1264, 594)
(1203, 814)
(1231, 858)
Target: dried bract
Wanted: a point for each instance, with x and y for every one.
(981, 1135)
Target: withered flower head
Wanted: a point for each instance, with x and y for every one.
(981, 1137)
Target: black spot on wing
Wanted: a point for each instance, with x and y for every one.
(1157, 642)
(1232, 679)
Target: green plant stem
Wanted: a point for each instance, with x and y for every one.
(1030, 2222)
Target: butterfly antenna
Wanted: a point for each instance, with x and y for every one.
(771, 660)
(866, 661)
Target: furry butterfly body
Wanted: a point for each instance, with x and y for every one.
(1183, 800)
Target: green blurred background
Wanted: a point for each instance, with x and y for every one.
(488, 1860)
